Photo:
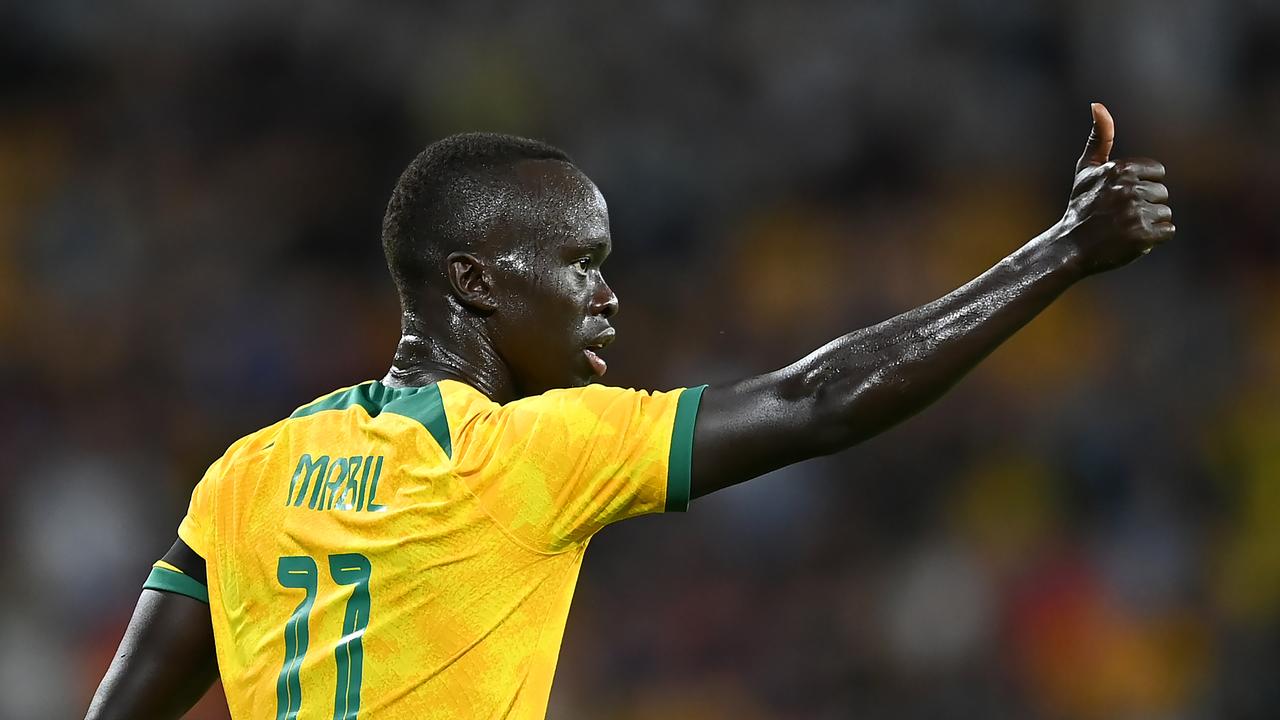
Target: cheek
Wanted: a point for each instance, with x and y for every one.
(545, 308)
(558, 292)
(521, 284)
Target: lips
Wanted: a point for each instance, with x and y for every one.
(598, 365)
(593, 348)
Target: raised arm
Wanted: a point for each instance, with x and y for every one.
(863, 383)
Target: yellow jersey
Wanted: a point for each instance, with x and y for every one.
(411, 553)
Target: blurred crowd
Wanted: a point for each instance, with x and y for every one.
(1086, 527)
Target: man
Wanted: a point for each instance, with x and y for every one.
(408, 548)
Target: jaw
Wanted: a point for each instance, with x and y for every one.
(581, 372)
(573, 374)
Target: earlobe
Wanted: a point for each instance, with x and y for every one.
(470, 280)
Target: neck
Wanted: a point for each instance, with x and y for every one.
(455, 347)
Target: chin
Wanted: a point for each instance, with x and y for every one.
(574, 374)
(581, 379)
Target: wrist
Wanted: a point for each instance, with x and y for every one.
(1055, 251)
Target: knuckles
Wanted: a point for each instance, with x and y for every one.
(1128, 169)
(1145, 168)
(1126, 190)
(1127, 196)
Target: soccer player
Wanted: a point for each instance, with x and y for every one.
(408, 547)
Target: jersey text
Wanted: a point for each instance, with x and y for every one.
(342, 483)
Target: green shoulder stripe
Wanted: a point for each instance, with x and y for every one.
(167, 580)
(367, 395)
(424, 404)
(680, 460)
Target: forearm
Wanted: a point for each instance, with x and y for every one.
(863, 383)
(867, 381)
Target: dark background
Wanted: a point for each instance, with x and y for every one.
(190, 199)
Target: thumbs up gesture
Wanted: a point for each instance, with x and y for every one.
(1118, 210)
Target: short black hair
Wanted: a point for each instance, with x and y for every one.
(446, 198)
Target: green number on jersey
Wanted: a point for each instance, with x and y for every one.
(294, 572)
(300, 572)
(351, 569)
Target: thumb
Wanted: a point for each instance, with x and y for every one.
(1098, 149)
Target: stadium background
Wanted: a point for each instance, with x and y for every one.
(1086, 527)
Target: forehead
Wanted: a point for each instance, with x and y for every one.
(559, 202)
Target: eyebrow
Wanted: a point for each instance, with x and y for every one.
(591, 245)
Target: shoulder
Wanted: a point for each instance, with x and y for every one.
(424, 404)
(591, 409)
(367, 394)
(264, 439)
(249, 446)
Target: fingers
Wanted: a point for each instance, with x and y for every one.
(1098, 148)
(1156, 223)
(1157, 213)
(1152, 192)
(1141, 168)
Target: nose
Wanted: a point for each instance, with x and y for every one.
(604, 302)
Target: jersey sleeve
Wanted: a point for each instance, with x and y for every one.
(196, 528)
(555, 468)
(180, 571)
(167, 578)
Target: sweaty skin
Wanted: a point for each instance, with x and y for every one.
(867, 381)
(518, 313)
(515, 312)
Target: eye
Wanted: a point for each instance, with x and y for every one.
(582, 263)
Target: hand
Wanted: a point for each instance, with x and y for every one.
(1117, 211)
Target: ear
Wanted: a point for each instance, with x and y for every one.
(471, 281)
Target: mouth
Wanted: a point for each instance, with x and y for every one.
(592, 352)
